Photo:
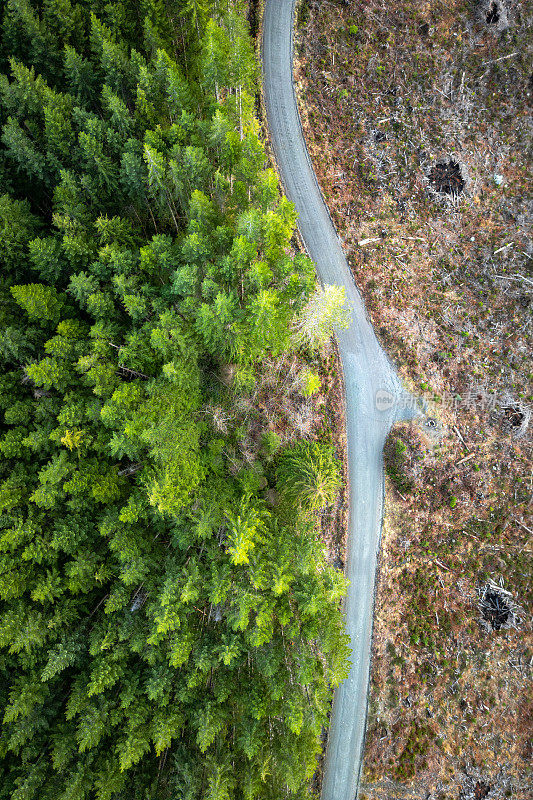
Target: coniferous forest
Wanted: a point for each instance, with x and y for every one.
(164, 631)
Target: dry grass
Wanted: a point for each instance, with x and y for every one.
(387, 91)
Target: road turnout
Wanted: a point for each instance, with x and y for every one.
(373, 397)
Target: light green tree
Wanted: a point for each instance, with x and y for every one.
(324, 313)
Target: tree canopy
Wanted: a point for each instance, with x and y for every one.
(164, 632)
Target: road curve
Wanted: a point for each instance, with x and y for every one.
(367, 371)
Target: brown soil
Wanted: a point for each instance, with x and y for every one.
(418, 119)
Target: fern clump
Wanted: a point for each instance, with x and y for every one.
(308, 475)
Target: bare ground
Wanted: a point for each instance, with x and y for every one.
(399, 101)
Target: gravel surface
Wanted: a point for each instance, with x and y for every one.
(367, 373)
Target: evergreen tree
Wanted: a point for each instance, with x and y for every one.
(324, 313)
(162, 632)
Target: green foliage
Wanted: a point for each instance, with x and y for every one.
(271, 443)
(38, 301)
(394, 454)
(323, 314)
(421, 586)
(310, 382)
(17, 227)
(244, 528)
(416, 746)
(162, 633)
(308, 474)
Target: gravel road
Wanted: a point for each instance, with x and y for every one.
(369, 376)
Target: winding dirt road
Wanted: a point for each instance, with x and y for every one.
(372, 393)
